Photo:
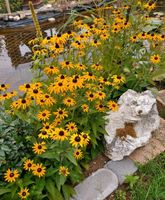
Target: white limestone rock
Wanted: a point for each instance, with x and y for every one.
(131, 126)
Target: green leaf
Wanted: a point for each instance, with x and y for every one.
(5, 147)
(51, 171)
(50, 155)
(2, 153)
(13, 191)
(60, 180)
(53, 193)
(3, 191)
(71, 158)
(68, 191)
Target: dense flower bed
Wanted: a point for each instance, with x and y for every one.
(79, 75)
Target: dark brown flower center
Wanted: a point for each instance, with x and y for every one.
(39, 169)
(24, 193)
(29, 165)
(91, 95)
(62, 77)
(43, 114)
(85, 136)
(2, 85)
(60, 84)
(74, 80)
(35, 91)
(46, 96)
(23, 101)
(61, 133)
(39, 147)
(44, 132)
(11, 175)
(67, 62)
(27, 85)
(77, 139)
(59, 35)
(57, 45)
(60, 112)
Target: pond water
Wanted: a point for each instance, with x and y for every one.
(15, 54)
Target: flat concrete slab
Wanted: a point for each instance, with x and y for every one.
(122, 168)
(97, 186)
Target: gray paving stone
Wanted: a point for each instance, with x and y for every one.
(122, 168)
(97, 186)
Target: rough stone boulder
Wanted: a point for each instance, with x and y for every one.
(132, 125)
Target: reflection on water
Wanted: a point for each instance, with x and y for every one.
(15, 54)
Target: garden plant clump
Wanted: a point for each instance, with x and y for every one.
(15, 5)
(79, 75)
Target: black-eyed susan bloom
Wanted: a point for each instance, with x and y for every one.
(67, 65)
(90, 96)
(25, 87)
(113, 106)
(71, 126)
(44, 134)
(11, 175)
(117, 79)
(150, 5)
(155, 59)
(76, 140)
(39, 170)
(86, 138)
(34, 92)
(50, 70)
(85, 107)
(39, 148)
(97, 67)
(23, 103)
(64, 171)
(47, 126)
(68, 101)
(100, 107)
(24, 193)
(60, 134)
(28, 165)
(61, 113)
(43, 115)
(100, 95)
(80, 67)
(48, 99)
(58, 87)
(4, 87)
(78, 154)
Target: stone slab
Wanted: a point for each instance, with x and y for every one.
(155, 146)
(161, 101)
(97, 186)
(122, 168)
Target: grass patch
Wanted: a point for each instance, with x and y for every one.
(151, 183)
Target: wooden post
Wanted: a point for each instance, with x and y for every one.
(8, 6)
